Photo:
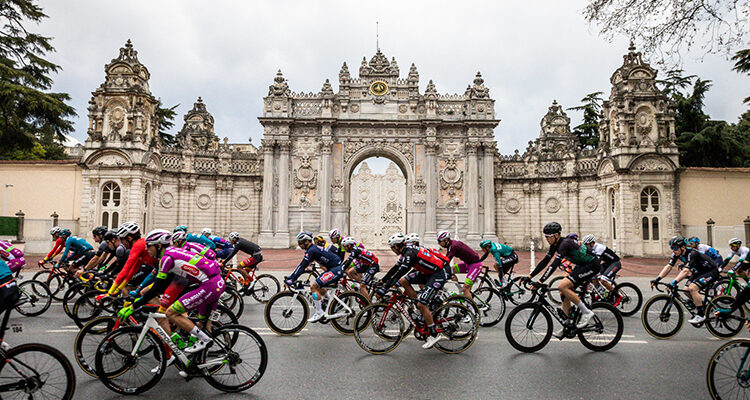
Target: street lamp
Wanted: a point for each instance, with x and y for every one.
(5, 197)
(455, 212)
(302, 200)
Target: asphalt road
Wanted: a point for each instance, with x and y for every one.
(321, 363)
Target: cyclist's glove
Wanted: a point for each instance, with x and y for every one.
(134, 293)
(380, 291)
(288, 281)
(125, 312)
(672, 285)
(655, 281)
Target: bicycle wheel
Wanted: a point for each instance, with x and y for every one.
(606, 329)
(379, 328)
(71, 294)
(722, 287)
(265, 287)
(661, 317)
(491, 306)
(233, 300)
(631, 298)
(465, 301)
(87, 341)
(35, 298)
(286, 313)
(727, 375)
(458, 323)
(724, 327)
(553, 294)
(37, 371)
(528, 327)
(54, 282)
(86, 308)
(517, 292)
(240, 356)
(356, 302)
(121, 371)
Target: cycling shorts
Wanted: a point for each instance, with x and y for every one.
(432, 283)
(83, 258)
(330, 277)
(584, 272)
(173, 292)
(471, 270)
(507, 263)
(741, 268)
(370, 273)
(16, 264)
(9, 293)
(205, 298)
(251, 262)
(611, 270)
(705, 279)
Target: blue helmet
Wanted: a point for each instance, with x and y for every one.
(182, 228)
(64, 232)
(693, 240)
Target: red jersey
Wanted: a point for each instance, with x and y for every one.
(137, 257)
(57, 248)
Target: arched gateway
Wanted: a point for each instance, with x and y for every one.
(442, 144)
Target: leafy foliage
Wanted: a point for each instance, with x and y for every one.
(742, 65)
(165, 118)
(30, 116)
(588, 130)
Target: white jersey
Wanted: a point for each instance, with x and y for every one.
(741, 252)
(599, 249)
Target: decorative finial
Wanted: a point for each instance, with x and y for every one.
(377, 35)
(632, 45)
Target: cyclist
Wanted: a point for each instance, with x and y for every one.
(77, 251)
(610, 264)
(9, 293)
(57, 248)
(701, 269)
(505, 259)
(737, 249)
(195, 268)
(139, 263)
(335, 236)
(104, 252)
(119, 251)
(200, 239)
(206, 232)
(327, 260)
(412, 239)
(366, 264)
(430, 269)
(223, 247)
(586, 267)
(179, 239)
(694, 242)
(12, 255)
(471, 265)
(249, 248)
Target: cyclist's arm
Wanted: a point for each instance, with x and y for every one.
(64, 257)
(403, 266)
(207, 242)
(664, 271)
(306, 260)
(135, 260)
(160, 284)
(543, 263)
(234, 252)
(56, 249)
(552, 267)
(484, 256)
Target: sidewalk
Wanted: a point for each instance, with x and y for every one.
(287, 260)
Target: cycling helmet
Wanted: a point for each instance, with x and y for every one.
(396, 239)
(588, 239)
(99, 230)
(182, 228)
(443, 235)
(348, 241)
(302, 236)
(110, 234)
(179, 236)
(735, 241)
(319, 240)
(412, 238)
(158, 236)
(233, 235)
(693, 239)
(485, 243)
(206, 231)
(128, 228)
(64, 232)
(55, 230)
(676, 241)
(334, 234)
(552, 228)
(572, 235)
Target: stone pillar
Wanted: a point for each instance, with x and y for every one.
(19, 236)
(489, 193)
(747, 229)
(282, 225)
(324, 184)
(430, 178)
(471, 192)
(265, 238)
(710, 231)
(55, 218)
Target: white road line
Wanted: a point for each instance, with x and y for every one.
(621, 341)
(62, 330)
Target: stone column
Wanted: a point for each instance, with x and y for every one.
(282, 225)
(747, 229)
(430, 178)
(471, 192)
(265, 238)
(19, 235)
(710, 231)
(489, 193)
(324, 184)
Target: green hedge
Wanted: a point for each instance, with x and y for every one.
(8, 226)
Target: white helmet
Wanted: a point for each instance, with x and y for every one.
(412, 238)
(302, 236)
(735, 241)
(348, 241)
(396, 239)
(158, 236)
(205, 231)
(233, 235)
(128, 228)
(179, 236)
(55, 230)
(334, 234)
(588, 239)
(443, 235)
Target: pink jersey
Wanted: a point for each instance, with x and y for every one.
(13, 256)
(198, 248)
(184, 263)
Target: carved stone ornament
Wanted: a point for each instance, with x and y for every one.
(607, 168)
(337, 191)
(167, 199)
(203, 201)
(651, 165)
(553, 205)
(512, 206)
(590, 204)
(405, 149)
(242, 202)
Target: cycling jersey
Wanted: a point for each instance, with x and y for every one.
(75, 247)
(499, 251)
(245, 246)
(325, 258)
(220, 242)
(742, 253)
(9, 293)
(605, 254)
(13, 256)
(56, 249)
(711, 252)
(463, 252)
(424, 260)
(697, 262)
(137, 256)
(4, 270)
(570, 250)
(182, 262)
(191, 237)
(337, 249)
(199, 249)
(365, 257)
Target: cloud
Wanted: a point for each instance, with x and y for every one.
(228, 52)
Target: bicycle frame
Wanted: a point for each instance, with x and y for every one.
(733, 280)
(334, 297)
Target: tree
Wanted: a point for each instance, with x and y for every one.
(588, 130)
(165, 118)
(666, 27)
(29, 113)
(742, 65)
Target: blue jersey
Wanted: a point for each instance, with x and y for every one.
(326, 258)
(191, 237)
(4, 270)
(220, 243)
(75, 246)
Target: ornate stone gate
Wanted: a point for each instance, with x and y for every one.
(378, 205)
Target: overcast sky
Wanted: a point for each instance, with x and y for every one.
(529, 53)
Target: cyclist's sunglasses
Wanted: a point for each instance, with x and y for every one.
(546, 235)
(675, 248)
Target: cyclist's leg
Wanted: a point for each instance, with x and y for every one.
(472, 273)
(433, 283)
(507, 265)
(209, 291)
(412, 277)
(578, 276)
(328, 278)
(367, 278)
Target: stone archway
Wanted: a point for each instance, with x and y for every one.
(377, 205)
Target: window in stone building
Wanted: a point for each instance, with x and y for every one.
(110, 205)
(650, 199)
(645, 227)
(654, 228)
(650, 207)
